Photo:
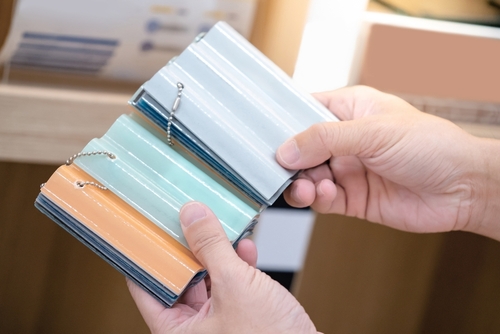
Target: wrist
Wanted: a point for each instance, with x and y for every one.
(485, 213)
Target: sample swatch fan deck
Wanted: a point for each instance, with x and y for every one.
(206, 127)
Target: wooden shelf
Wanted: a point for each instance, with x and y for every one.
(44, 119)
(47, 125)
(47, 117)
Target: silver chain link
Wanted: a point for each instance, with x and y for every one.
(83, 154)
(82, 184)
(177, 101)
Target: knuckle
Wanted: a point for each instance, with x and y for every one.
(206, 241)
(323, 133)
(362, 92)
(362, 89)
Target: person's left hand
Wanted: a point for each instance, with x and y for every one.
(238, 298)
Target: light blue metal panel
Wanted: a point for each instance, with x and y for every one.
(157, 180)
(235, 51)
(238, 104)
(228, 137)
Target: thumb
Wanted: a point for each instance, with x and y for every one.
(206, 237)
(312, 147)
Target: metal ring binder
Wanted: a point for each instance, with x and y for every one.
(177, 101)
(82, 154)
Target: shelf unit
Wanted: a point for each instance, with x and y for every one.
(50, 282)
(48, 117)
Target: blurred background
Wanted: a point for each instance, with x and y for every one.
(68, 68)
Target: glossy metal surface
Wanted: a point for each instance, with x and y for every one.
(237, 103)
(125, 229)
(157, 179)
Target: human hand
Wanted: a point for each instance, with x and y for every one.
(238, 298)
(389, 163)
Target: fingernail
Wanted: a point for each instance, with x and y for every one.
(191, 213)
(296, 196)
(320, 189)
(289, 152)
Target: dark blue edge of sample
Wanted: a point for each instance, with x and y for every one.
(109, 254)
(150, 108)
(115, 258)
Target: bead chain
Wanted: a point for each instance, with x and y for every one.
(82, 184)
(82, 154)
(177, 101)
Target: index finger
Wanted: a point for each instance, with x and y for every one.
(350, 103)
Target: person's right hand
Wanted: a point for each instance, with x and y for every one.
(389, 163)
(238, 298)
